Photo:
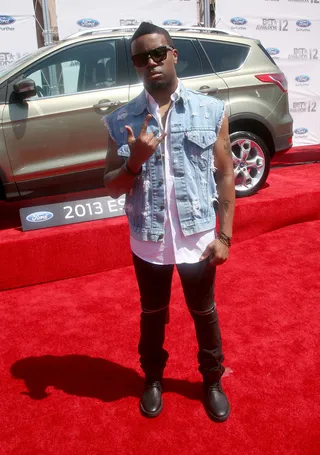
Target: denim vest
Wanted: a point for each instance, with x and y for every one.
(195, 122)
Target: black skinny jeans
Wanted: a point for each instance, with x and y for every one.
(198, 286)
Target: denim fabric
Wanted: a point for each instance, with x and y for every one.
(194, 122)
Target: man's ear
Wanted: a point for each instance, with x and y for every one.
(175, 56)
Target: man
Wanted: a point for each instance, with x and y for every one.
(168, 150)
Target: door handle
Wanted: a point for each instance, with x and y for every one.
(106, 104)
(205, 89)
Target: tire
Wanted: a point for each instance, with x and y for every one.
(251, 162)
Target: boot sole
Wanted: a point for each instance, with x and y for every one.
(150, 415)
(216, 418)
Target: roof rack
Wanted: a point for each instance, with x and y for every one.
(129, 28)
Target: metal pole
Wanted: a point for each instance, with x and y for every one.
(207, 22)
(47, 32)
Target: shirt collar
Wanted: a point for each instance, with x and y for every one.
(144, 98)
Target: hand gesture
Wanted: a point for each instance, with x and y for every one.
(143, 146)
(217, 251)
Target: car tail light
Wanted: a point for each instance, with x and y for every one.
(279, 79)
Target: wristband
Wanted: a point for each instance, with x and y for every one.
(225, 239)
(129, 171)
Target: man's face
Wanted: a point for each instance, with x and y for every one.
(155, 75)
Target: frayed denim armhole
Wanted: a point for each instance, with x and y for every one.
(106, 122)
(218, 128)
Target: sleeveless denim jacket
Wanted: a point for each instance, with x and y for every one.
(195, 122)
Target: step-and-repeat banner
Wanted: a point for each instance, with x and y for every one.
(290, 31)
(17, 30)
(77, 15)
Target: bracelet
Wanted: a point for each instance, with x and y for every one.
(225, 239)
(129, 171)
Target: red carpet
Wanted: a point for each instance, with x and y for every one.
(297, 155)
(292, 195)
(76, 341)
(70, 380)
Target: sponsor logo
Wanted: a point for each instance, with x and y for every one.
(88, 23)
(303, 23)
(39, 217)
(7, 20)
(239, 21)
(273, 51)
(302, 78)
(273, 25)
(300, 131)
(303, 53)
(172, 22)
(129, 22)
(304, 106)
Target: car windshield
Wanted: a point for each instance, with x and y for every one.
(11, 66)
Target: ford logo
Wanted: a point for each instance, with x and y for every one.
(39, 217)
(88, 23)
(273, 51)
(301, 131)
(303, 23)
(239, 20)
(172, 22)
(6, 20)
(303, 78)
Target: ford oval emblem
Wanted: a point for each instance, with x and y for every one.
(239, 20)
(303, 78)
(273, 51)
(88, 23)
(172, 22)
(39, 217)
(303, 23)
(7, 20)
(301, 130)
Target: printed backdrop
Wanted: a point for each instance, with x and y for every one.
(17, 30)
(290, 31)
(77, 15)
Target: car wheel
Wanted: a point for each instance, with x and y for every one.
(251, 162)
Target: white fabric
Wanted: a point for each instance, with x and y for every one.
(175, 247)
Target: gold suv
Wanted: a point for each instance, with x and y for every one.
(52, 139)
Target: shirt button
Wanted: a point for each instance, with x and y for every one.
(160, 183)
(161, 207)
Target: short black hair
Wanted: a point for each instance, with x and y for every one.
(146, 28)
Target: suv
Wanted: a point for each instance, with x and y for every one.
(52, 139)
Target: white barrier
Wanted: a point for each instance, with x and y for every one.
(76, 15)
(290, 31)
(17, 30)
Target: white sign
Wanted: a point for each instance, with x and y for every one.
(77, 15)
(290, 31)
(17, 30)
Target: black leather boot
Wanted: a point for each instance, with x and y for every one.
(151, 403)
(215, 401)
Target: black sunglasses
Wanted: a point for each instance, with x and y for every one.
(158, 55)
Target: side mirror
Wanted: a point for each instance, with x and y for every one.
(26, 88)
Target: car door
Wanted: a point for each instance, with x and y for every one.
(194, 70)
(56, 141)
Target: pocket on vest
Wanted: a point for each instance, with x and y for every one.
(200, 147)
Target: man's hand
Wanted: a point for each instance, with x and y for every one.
(217, 251)
(142, 147)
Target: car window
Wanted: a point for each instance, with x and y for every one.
(189, 63)
(225, 56)
(85, 67)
